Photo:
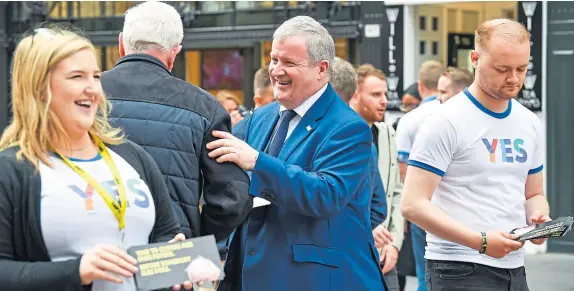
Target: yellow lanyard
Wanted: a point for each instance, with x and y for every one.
(119, 210)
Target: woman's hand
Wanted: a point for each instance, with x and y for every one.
(187, 285)
(103, 261)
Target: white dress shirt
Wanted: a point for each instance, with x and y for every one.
(302, 109)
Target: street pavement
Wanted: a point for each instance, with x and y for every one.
(544, 272)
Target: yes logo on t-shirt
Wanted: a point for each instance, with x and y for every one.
(511, 150)
(134, 192)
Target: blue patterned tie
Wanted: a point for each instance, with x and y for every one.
(281, 133)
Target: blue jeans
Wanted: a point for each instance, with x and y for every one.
(419, 243)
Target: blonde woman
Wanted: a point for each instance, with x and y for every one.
(231, 103)
(73, 193)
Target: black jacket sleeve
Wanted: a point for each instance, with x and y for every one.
(28, 276)
(226, 187)
(165, 226)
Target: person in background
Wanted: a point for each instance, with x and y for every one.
(411, 98)
(429, 74)
(343, 78)
(231, 103)
(74, 193)
(469, 244)
(173, 120)
(228, 100)
(409, 101)
(370, 102)
(452, 82)
(263, 96)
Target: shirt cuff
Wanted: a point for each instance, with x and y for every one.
(426, 167)
(535, 170)
(403, 156)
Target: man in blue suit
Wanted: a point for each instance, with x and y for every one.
(309, 159)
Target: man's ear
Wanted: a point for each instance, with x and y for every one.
(323, 70)
(172, 55)
(257, 101)
(421, 88)
(355, 97)
(121, 45)
(474, 56)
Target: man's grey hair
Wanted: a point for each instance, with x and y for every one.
(152, 25)
(343, 78)
(320, 44)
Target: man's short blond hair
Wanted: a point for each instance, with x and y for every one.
(366, 70)
(461, 78)
(430, 72)
(503, 28)
(262, 80)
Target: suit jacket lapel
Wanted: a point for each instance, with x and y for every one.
(308, 123)
(264, 128)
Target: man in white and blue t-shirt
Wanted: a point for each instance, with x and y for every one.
(475, 171)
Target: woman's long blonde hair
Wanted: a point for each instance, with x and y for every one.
(35, 128)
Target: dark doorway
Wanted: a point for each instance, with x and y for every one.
(459, 48)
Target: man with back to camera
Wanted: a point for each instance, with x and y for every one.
(370, 101)
(343, 78)
(307, 155)
(263, 95)
(475, 171)
(452, 82)
(173, 121)
(429, 75)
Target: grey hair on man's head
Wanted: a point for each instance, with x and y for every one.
(320, 44)
(343, 78)
(151, 25)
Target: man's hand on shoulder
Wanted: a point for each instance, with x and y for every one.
(228, 148)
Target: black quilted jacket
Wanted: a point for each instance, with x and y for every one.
(173, 120)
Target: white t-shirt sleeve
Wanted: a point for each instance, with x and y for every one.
(404, 139)
(434, 146)
(538, 158)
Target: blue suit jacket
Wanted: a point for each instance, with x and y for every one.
(316, 233)
(239, 128)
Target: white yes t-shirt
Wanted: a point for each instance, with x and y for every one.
(484, 159)
(409, 125)
(74, 217)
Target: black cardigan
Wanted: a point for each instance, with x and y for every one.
(24, 261)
